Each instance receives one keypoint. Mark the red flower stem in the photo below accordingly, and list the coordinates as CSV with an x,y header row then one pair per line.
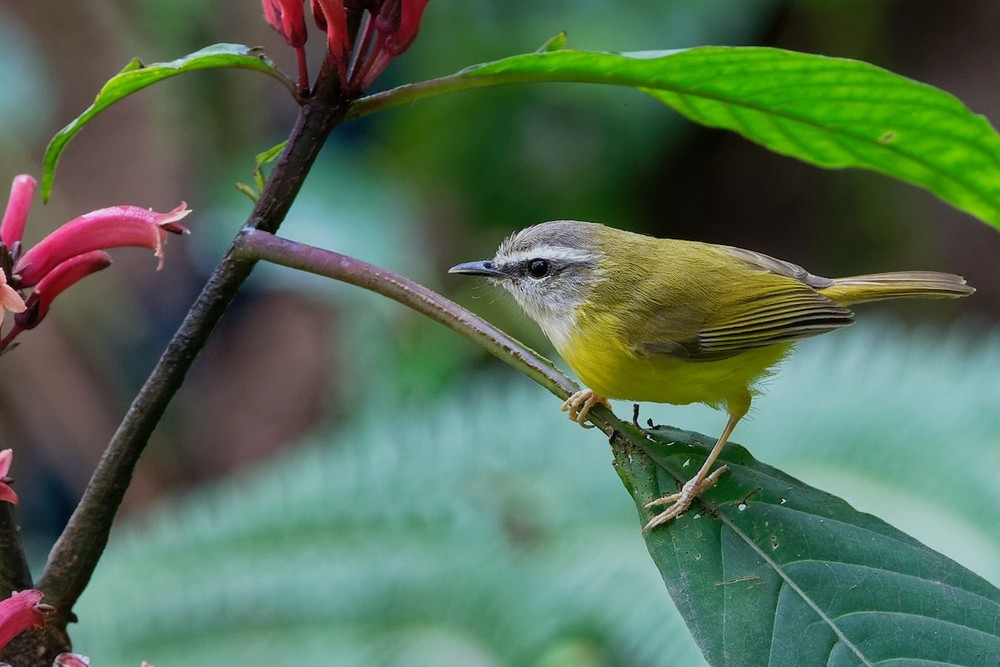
x,y
78,549
300,54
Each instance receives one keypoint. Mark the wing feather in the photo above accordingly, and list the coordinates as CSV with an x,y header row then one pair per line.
x,y
776,302
778,266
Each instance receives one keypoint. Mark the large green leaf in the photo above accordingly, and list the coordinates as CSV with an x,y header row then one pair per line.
x,y
831,112
768,570
136,76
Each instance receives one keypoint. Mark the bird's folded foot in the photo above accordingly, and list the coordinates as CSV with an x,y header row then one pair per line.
x,y
681,500
579,404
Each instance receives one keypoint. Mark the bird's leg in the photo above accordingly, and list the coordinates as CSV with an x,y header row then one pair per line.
x,y
579,404
694,486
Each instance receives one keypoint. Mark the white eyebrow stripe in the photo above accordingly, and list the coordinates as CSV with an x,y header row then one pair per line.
x,y
550,252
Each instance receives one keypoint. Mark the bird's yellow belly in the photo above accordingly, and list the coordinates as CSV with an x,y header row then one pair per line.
x,y
613,370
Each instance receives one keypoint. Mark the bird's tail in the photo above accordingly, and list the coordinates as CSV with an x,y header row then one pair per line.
x,y
899,284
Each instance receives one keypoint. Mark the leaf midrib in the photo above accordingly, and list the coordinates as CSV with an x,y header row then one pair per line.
x,y
777,568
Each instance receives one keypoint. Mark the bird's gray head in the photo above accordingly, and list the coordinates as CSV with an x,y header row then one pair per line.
x,y
548,268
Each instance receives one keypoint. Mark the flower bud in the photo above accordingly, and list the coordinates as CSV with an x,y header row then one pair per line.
x,y
16,214
400,39
397,23
288,18
331,17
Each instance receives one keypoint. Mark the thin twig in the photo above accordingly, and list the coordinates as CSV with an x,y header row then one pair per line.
x,y
254,244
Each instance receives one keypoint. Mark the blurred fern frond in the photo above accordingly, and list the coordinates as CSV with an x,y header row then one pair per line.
x,y
486,530
480,532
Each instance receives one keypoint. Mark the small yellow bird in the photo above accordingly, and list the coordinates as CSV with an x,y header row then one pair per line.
x,y
667,321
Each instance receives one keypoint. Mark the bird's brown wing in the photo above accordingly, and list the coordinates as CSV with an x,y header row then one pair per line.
x,y
739,310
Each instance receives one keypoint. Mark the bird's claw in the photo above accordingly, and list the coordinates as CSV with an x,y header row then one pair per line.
x,y
681,500
579,404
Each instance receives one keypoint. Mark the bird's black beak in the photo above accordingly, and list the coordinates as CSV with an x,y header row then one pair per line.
x,y
481,268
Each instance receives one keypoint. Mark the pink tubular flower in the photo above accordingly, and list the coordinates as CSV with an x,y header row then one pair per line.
x,y
55,283
288,18
105,228
16,214
6,493
69,254
20,612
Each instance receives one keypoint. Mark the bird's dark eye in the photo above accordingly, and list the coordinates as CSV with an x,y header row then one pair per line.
x,y
538,268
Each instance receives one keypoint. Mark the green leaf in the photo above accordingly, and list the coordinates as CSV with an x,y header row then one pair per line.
x,y
265,158
135,76
554,43
830,112
260,161
777,572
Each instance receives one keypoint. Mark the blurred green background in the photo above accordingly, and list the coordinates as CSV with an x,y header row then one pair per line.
x,y
324,429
